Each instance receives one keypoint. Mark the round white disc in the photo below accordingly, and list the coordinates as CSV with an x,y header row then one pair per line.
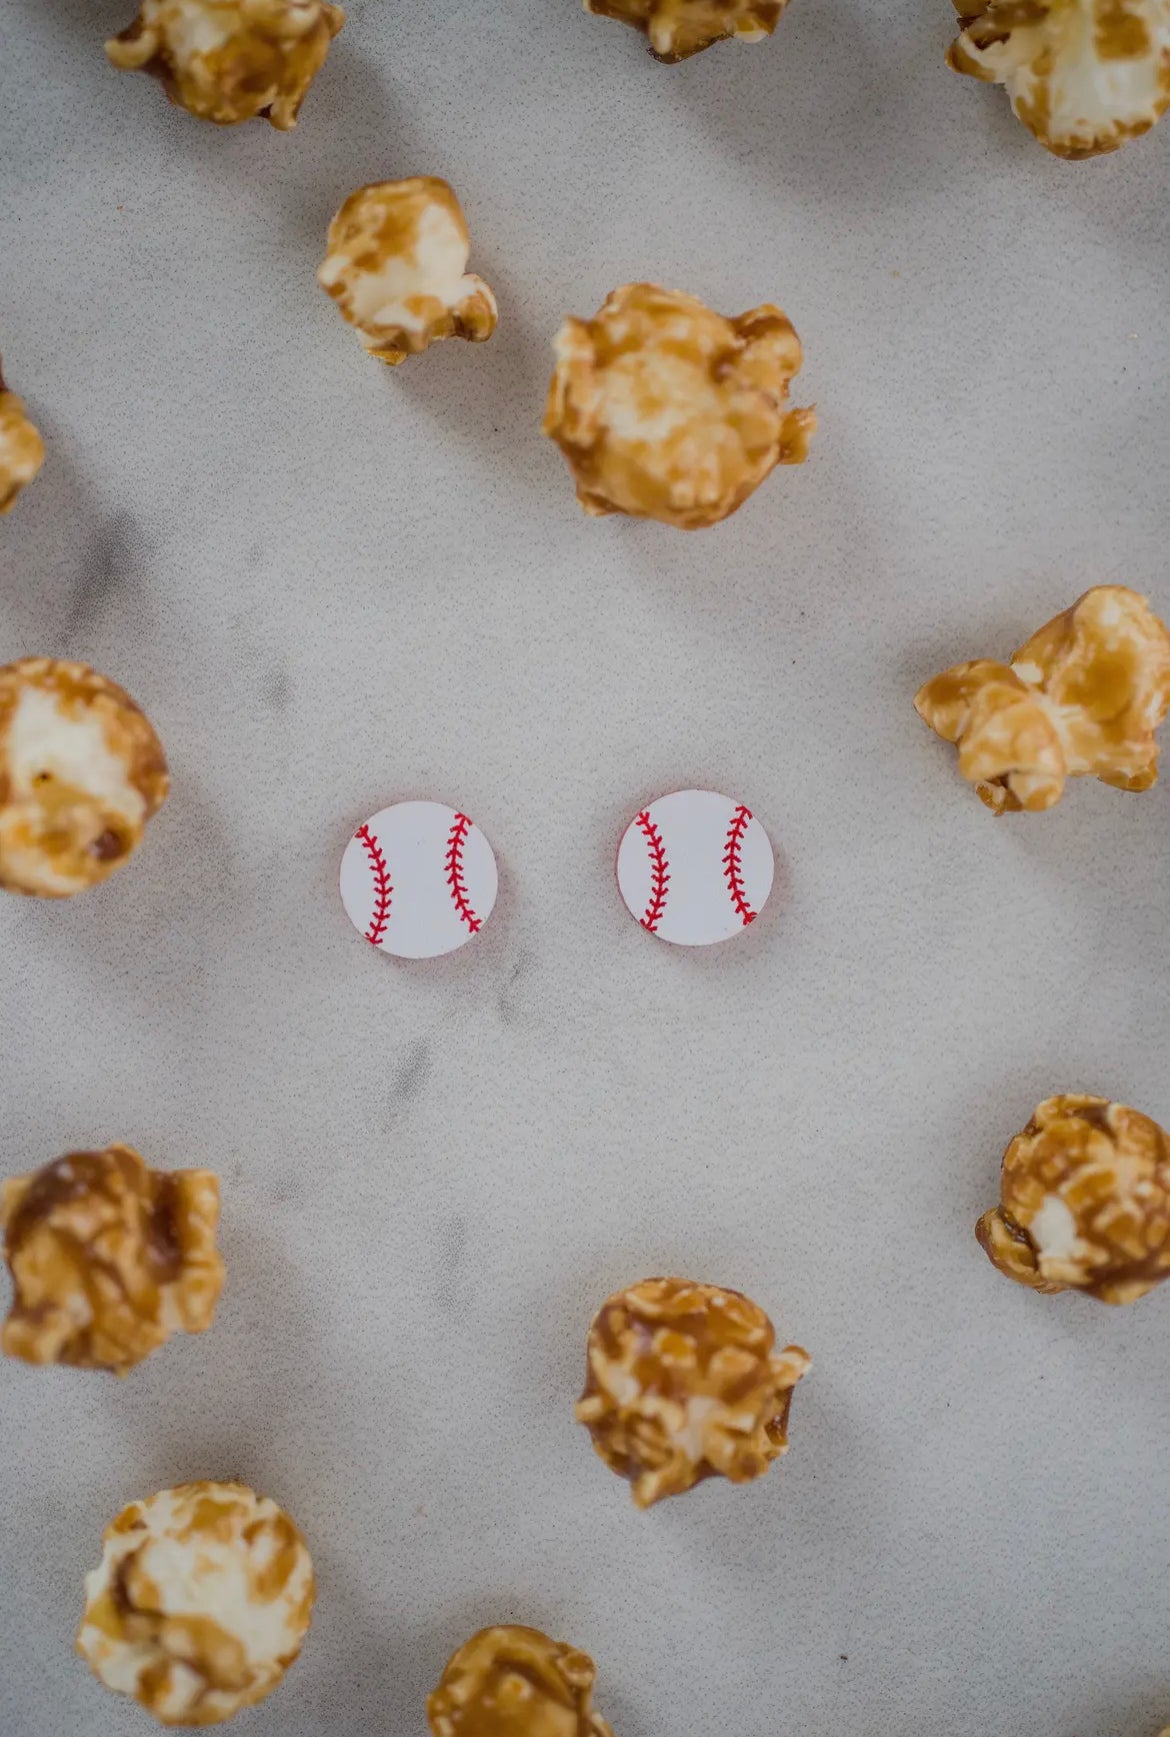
x,y
695,867
418,879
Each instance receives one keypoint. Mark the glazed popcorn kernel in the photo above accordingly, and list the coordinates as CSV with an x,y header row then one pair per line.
x,y
515,1682
231,60
1084,1202
1083,75
396,265
676,29
1082,698
22,451
201,1602
108,1259
683,1383
668,411
81,773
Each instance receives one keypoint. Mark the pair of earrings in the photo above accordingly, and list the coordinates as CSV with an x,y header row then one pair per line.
x,y
419,879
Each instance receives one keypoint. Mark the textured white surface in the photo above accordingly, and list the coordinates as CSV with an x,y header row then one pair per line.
x,y
326,581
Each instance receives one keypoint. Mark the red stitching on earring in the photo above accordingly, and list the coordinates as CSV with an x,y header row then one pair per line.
x,y
460,897
383,891
733,864
659,872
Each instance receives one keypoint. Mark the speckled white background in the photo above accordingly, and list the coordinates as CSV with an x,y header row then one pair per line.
x,y
332,586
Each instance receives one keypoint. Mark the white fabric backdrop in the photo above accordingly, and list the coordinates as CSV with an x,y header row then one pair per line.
x,y
333,587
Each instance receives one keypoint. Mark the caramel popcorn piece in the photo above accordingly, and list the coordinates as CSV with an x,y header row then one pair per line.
x,y
683,1383
515,1682
81,773
22,451
676,29
1084,1202
1083,697
231,60
668,411
108,1259
201,1602
396,266
1083,75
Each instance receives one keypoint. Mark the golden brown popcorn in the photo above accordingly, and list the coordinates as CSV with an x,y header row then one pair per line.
x,y
22,451
1082,698
396,266
1083,75
108,1259
515,1682
201,1602
81,773
231,60
668,411
683,1383
676,29
1084,1202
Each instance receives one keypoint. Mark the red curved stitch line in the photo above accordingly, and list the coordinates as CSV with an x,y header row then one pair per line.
x,y
460,897
733,865
659,872
383,891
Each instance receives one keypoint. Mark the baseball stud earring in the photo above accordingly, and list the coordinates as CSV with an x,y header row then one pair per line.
x,y
418,880
695,867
